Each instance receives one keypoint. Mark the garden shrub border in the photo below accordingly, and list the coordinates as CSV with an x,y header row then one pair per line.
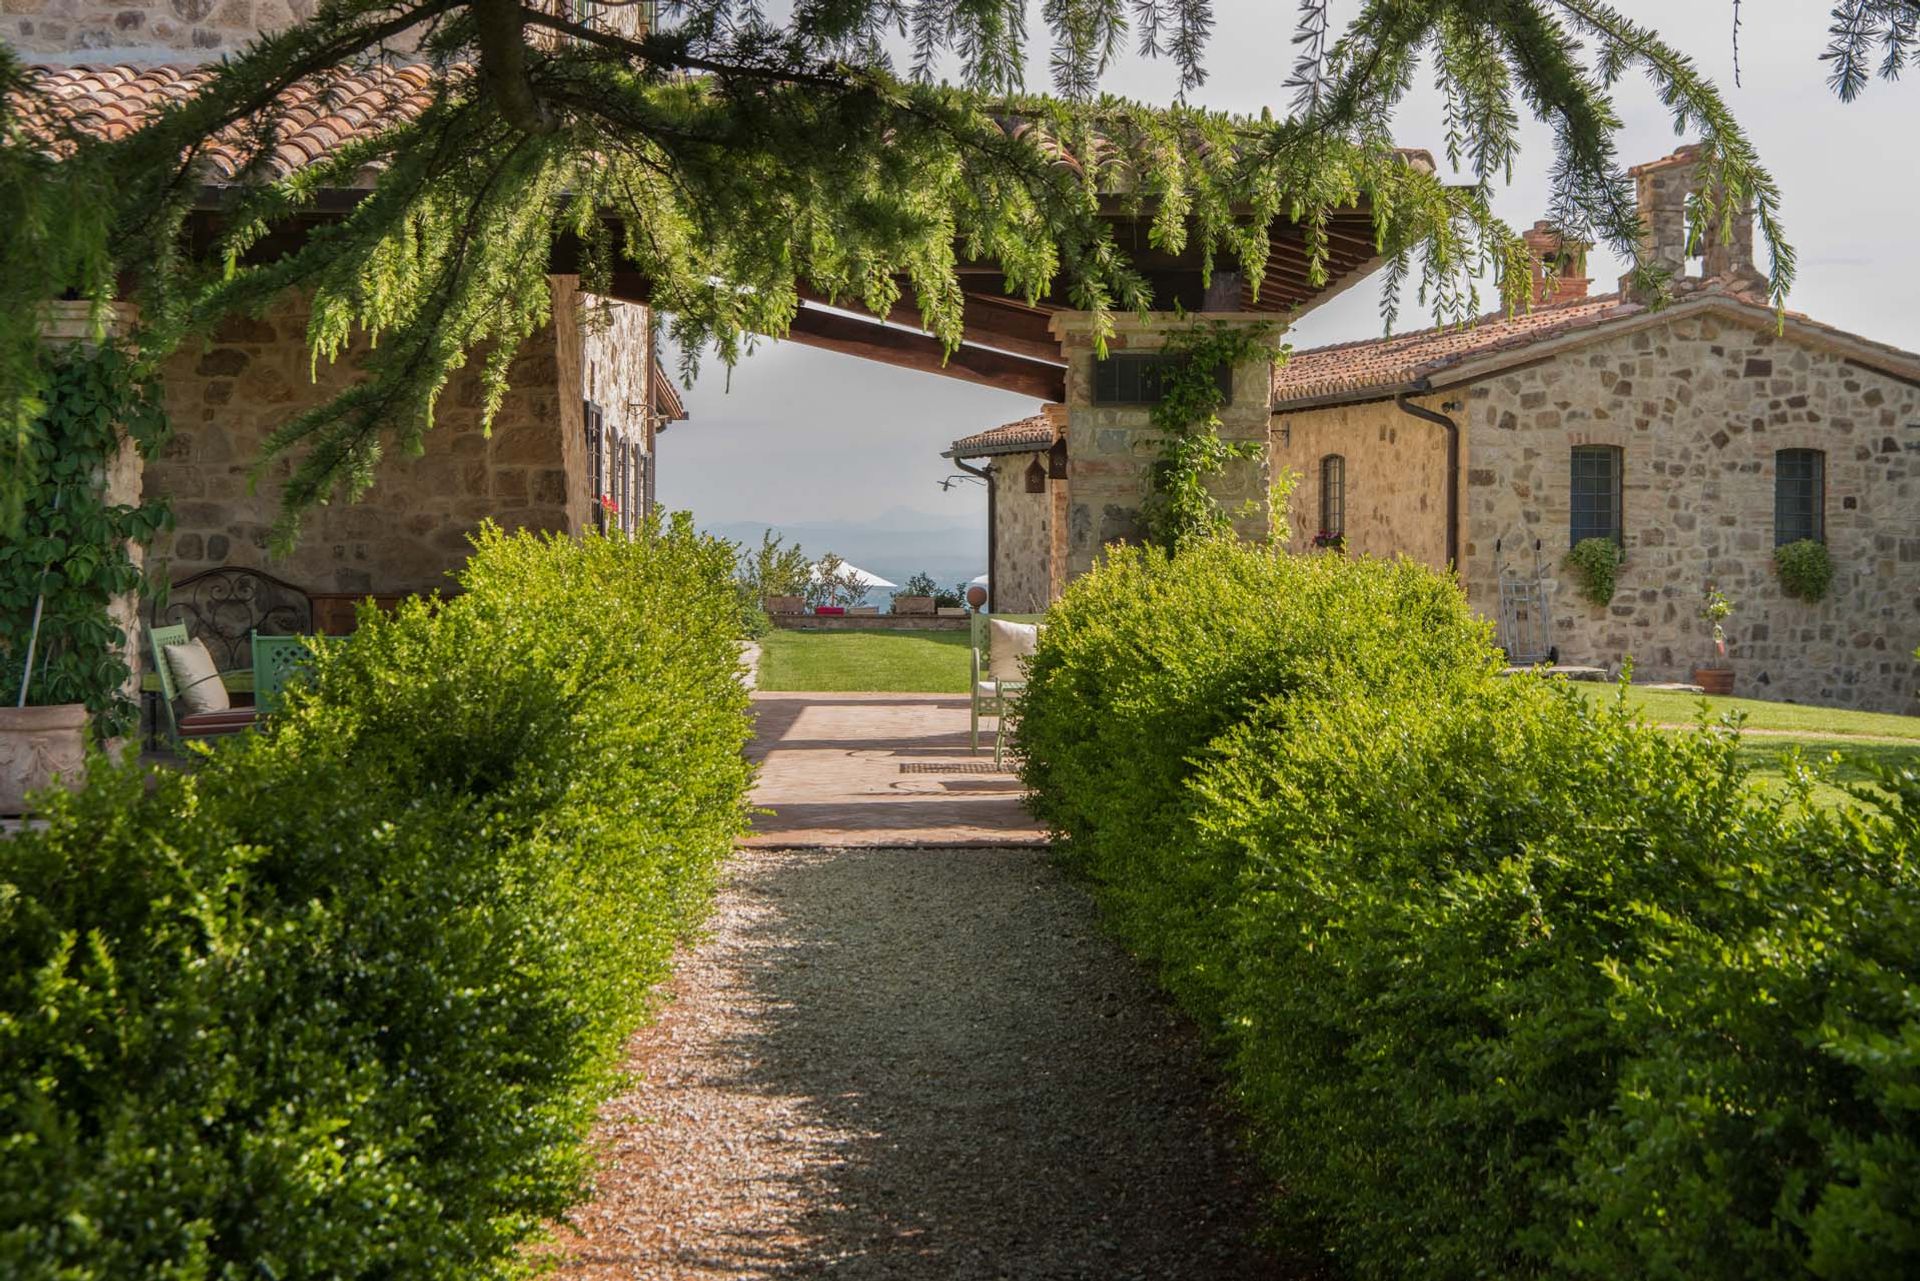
x,y
1611,1011
343,1000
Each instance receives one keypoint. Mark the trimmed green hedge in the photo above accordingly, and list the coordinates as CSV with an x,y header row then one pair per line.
x,y
1148,658
1509,985
342,1001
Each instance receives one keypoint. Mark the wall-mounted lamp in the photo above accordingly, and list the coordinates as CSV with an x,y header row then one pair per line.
x,y
1057,460
1036,478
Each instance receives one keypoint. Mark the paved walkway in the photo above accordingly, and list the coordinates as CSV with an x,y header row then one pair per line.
x,y
880,770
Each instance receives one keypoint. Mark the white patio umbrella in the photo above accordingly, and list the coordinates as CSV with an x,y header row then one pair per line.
x,y
865,578
979,580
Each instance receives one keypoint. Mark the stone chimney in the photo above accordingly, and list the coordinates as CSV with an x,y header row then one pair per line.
x,y
1559,265
1662,188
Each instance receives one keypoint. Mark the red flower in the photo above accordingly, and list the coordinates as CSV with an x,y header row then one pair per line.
x,y
606,502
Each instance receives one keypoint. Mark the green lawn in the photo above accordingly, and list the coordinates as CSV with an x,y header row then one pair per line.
x,y
1668,708
892,662
1861,738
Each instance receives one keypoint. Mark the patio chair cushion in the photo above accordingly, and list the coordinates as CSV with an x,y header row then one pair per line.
x,y
987,690
1007,644
231,721
196,679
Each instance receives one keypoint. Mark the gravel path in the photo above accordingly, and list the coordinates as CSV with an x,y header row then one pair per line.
x,y
914,1064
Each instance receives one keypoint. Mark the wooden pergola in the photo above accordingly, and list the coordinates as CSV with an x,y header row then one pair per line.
x,y
1008,342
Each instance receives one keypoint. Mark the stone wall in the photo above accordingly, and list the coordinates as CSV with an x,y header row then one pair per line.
x,y
188,31
411,528
1023,537
1112,447
1699,404
184,31
1396,476
605,351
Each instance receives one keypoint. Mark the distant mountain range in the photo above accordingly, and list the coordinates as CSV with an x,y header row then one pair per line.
x,y
895,544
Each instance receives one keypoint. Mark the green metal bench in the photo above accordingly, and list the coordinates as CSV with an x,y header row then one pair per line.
x,y
277,662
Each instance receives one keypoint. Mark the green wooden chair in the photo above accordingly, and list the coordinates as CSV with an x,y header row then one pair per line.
x,y
193,724
278,661
993,696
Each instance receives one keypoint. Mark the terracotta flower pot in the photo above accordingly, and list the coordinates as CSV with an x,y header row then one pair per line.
x,y
1714,680
38,744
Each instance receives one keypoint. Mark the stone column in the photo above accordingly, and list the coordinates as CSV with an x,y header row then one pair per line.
x,y
123,478
1112,446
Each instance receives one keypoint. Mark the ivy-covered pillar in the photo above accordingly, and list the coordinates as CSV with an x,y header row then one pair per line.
x,y
1112,439
121,476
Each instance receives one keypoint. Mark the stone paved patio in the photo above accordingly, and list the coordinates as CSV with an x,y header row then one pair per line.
x,y
831,770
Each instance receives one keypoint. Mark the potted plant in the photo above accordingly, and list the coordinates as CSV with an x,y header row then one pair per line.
x,y
1715,676
948,604
774,574
917,596
1324,541
64,660
833,586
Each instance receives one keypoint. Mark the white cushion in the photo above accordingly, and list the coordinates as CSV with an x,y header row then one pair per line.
x,y
196,680
1007,644
996,689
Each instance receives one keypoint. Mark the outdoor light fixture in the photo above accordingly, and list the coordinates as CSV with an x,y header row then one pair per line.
x,y
1036,478
1057,460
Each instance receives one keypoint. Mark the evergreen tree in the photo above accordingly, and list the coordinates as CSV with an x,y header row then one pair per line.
x,y
730,159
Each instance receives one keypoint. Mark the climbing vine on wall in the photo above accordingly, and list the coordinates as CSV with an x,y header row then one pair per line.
x,y
75,546
1181,507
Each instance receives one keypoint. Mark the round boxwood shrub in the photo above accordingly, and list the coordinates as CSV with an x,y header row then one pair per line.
x,y
1595,563
1805,568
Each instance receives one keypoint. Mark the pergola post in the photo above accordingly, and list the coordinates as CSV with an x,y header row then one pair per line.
x,y
70,323
1113,444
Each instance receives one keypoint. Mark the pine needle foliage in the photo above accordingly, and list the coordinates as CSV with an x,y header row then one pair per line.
x,y
730,159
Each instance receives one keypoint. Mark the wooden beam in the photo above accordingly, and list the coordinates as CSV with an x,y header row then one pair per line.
x,y
871,340
1020,332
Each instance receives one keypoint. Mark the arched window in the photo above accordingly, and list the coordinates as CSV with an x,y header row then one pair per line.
x,y
1595,493
1799,496
1333,496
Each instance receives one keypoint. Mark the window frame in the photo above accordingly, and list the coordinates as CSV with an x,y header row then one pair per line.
x,y
1579,529
1132,378
1815,499
1333,495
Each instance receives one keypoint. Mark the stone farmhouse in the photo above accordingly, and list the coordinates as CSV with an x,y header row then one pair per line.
x,y
573,447
1699,436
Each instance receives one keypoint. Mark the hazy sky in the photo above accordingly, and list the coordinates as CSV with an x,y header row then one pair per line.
x,y
808,435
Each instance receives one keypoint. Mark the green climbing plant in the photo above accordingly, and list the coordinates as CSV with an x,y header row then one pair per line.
x,y
1805,568
1182,507
74,551
1595,562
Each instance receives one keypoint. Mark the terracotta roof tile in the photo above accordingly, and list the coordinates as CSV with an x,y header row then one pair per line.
x,y
312,118
1027,435
1389,363
1382,366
